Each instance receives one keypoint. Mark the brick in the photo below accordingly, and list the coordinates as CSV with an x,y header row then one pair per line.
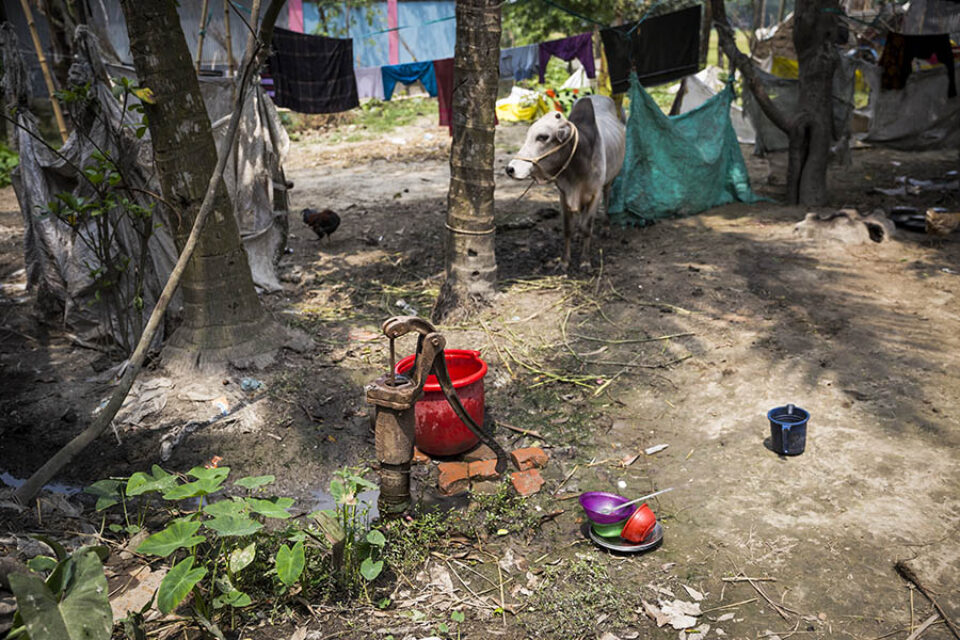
x,y
527,482
529,458
485,487
479,452
484,470
454,478
419,457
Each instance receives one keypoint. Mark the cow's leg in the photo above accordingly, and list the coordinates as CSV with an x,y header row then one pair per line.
x,y
567,224
586,229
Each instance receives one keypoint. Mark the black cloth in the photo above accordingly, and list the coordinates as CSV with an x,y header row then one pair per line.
x,y
662,49
312,74
900,50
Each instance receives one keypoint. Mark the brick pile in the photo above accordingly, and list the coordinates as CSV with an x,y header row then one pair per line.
x,y
477,469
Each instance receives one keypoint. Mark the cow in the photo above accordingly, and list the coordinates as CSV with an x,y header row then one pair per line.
x,y
582,154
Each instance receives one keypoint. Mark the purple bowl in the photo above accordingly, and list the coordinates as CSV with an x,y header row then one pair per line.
x,y
593,501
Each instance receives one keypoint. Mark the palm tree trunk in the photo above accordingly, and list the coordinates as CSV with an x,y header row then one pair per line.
x,y
223,318
471,273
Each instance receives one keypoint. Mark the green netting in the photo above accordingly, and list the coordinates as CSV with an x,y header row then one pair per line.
x,y
680,165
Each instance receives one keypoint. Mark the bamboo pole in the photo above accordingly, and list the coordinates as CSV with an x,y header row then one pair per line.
x,y
226,27
203,32
45,68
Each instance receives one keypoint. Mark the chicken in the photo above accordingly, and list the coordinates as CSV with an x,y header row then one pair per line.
x,y
940,222
323,223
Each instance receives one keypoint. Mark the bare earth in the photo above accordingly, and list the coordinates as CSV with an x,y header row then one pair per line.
x,y
866,337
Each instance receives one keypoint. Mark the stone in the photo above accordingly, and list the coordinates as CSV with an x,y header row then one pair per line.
x,y
527,482
454,478
485,487
529,458
483,470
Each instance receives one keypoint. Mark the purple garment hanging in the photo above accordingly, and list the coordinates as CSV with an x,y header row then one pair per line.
x,y
579,47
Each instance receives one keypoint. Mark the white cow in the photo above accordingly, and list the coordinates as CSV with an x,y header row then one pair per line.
x,y
582,154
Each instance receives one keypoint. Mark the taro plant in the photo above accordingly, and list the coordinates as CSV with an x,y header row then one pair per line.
x,y
65,598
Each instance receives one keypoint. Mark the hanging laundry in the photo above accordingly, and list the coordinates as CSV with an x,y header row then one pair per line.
x,y
579,47
900,51
520,62
444,72
660,49
312,74
408,73
369,82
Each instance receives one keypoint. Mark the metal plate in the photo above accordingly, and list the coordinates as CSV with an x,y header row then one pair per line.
x,y
624,546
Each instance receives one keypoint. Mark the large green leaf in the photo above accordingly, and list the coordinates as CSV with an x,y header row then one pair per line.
x,y
208,481
234,599
253,482
233,525
177,584
179,533
107,493
225,508
82,611
290,563
241,558
158,480
376,538
276,508
370,569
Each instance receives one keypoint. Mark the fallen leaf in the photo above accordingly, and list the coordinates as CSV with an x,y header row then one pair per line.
x,y
696,595
725,617
657,448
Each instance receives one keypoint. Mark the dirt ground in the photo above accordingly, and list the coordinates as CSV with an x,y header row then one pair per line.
x,y
866,337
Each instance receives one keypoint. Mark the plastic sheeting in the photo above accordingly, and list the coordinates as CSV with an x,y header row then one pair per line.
x,y
918,117
679,165
784,93
701,87
57,258
522,105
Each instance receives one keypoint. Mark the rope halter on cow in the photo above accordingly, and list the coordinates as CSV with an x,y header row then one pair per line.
x,y
536,161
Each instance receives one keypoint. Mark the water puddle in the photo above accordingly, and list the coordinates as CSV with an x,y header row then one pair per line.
x,y
9,480
323,500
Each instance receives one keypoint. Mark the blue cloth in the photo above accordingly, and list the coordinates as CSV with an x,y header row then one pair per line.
x,y
408,73
678,165
520,62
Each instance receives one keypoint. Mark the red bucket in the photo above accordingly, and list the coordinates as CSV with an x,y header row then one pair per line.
x,y
439,431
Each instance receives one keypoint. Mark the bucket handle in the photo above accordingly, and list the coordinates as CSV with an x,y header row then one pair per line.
x,y
784,434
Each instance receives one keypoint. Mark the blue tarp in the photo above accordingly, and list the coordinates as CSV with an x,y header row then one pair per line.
x,y
433,41
678,165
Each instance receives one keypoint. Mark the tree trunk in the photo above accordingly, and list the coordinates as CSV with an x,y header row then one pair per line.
x,y
471,273
705,27
223,318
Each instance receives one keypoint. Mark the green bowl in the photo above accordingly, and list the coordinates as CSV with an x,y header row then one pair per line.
x,y
609,530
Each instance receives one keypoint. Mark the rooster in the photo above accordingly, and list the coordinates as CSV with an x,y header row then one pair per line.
x,y
323,223
940,222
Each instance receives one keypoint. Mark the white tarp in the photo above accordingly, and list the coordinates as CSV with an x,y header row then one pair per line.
x,y
702,86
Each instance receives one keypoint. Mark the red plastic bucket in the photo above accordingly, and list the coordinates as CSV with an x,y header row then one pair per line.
x,y
439,431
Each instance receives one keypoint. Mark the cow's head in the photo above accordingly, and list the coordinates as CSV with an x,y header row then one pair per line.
x,y
544,151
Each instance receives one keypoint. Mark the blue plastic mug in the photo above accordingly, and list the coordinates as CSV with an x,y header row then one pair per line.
x,y
788,429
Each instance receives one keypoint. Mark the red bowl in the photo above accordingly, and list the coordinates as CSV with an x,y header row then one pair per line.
x,y
640,525
439,431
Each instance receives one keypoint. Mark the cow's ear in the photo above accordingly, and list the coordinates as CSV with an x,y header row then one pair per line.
x,y
564,132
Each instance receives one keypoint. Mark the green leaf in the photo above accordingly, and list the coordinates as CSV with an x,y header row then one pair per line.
x,y
443,628
337,489
81,612
177,584
233,525
225,508
58,549
179,533
241,558
331,527
252,482
376,538
290,563
213,474
107,492
208,481
370,569
276,508
159,480
457,616
233,599
42,563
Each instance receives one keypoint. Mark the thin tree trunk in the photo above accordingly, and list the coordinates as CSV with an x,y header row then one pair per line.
x,y
471,273
223,318
705,26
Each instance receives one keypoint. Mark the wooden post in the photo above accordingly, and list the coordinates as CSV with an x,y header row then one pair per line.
x,y
45,68
781,11
203,31
226,27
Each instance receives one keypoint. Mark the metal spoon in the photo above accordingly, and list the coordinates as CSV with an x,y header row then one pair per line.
x,y
608,510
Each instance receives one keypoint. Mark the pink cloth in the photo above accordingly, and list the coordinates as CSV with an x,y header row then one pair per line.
x,y
295,15
394,36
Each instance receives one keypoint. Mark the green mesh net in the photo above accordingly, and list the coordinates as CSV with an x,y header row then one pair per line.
x,y
678,165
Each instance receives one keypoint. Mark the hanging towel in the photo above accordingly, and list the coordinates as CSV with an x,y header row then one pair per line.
x,y
408,73
312,74
661,49
900,51
444,72
579,47
520,62
369,82
678,165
